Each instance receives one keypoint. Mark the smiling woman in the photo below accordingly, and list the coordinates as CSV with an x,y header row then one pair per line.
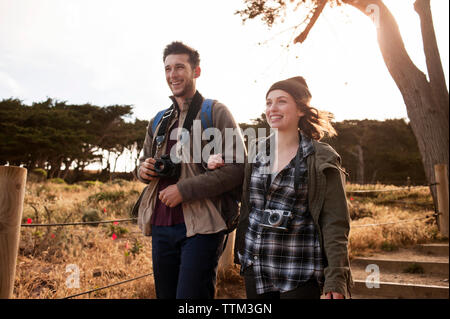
x,y
292,235
288,108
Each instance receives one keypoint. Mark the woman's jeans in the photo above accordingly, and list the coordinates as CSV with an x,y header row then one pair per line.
x,y
185,267
308,290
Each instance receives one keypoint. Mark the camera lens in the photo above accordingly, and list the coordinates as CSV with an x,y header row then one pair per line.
x,y
166,168
274,218
159,166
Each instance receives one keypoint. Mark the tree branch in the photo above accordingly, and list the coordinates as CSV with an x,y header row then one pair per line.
x,y
432,56
315,15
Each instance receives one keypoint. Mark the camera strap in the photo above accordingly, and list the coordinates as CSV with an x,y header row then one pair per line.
x,y
296,180
162,131
194,108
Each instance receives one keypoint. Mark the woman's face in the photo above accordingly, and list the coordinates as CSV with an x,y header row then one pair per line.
x,y
282,111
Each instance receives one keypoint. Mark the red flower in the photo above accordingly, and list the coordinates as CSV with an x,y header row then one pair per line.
x,y
351,198
114,236
52,235
115,223
104,210
29,221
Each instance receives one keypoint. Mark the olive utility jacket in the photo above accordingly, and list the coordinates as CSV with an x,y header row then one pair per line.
x,y
328,207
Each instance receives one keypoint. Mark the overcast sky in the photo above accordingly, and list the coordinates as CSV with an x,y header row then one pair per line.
x,y
110,52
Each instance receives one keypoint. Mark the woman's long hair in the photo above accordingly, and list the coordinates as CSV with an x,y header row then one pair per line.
x,y
314,123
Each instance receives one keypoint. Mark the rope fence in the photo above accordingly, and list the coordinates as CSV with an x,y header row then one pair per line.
x,y
81,223
385,190
108,286
131,219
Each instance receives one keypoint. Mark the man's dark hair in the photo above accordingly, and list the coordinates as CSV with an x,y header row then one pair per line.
x,y
181,48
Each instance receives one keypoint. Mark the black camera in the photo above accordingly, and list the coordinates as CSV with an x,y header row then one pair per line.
x,y
166,168
276,218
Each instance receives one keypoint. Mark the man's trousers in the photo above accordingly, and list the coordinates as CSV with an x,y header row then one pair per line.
x,y
185,267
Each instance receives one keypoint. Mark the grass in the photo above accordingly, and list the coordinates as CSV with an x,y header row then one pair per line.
x,y
403,213
110,253
45,253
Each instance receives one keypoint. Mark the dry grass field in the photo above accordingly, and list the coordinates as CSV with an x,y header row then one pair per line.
x,y
108,253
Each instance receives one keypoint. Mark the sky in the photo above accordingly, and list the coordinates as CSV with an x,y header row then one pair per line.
x,y
108,52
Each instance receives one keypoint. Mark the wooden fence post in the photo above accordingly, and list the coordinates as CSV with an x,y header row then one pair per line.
x,y
440,172
12,193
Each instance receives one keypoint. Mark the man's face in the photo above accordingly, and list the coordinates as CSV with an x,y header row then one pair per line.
x,y
180,76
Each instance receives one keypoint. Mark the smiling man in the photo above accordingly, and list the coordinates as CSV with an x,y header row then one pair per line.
x,y
186,208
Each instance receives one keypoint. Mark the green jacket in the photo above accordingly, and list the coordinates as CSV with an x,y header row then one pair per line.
x,y
328,206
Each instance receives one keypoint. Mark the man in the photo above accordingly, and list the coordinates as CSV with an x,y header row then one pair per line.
x,y
187,213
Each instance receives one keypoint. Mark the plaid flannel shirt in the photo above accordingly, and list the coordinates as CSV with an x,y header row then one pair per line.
x,y
282,260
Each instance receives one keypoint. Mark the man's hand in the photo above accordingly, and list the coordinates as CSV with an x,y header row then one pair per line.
x,y
146,170
171,196
334,295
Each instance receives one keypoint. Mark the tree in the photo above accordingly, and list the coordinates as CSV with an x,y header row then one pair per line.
x,y
50,133
426,100
136,139
378,151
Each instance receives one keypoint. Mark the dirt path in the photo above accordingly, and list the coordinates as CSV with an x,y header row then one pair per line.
x,y
232,287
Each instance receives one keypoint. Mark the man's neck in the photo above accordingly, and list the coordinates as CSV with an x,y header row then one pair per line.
x,y
184,101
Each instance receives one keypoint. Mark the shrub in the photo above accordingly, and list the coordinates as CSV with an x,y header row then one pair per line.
x,y
42,189
72,188
136,249
88,184
91,215
118,230
357,210
57,181
40,172
134,192
37,175
119,181
113,196
388,246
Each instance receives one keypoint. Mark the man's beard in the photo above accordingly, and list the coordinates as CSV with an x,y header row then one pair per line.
x,y
187,88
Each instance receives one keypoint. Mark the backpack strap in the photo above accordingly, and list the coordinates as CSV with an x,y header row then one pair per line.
x,y
206,114
158,118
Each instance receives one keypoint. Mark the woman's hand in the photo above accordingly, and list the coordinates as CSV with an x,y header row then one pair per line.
x,y
215,161
333,295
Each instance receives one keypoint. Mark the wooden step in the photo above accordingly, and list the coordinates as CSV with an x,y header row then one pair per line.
x,y
434,249
404,266
398,291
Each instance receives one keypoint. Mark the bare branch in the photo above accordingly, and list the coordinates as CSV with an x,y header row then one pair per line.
x,y
314,15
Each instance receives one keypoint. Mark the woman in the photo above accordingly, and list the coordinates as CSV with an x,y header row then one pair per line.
x,y
293,229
